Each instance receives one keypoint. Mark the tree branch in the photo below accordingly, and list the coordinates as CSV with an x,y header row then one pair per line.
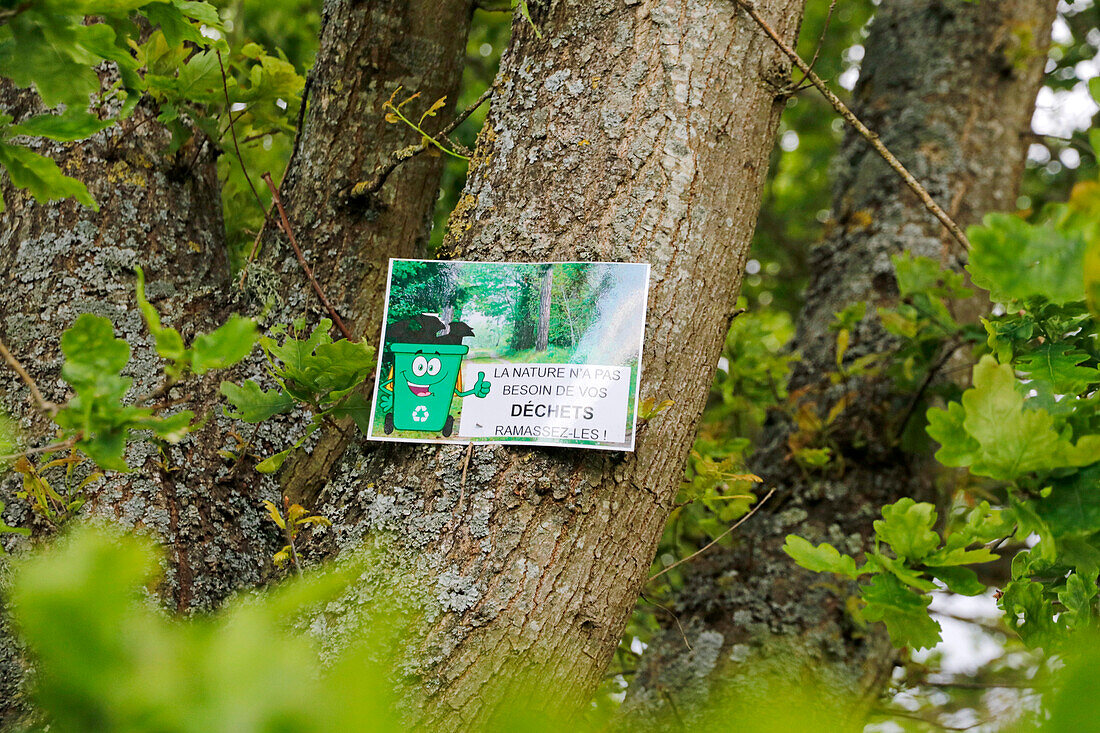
x,y
365,188
302,260
862,129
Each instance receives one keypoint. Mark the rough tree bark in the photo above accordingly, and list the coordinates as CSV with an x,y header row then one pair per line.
x,y
62,259
950,86
636,131
165,214
368,50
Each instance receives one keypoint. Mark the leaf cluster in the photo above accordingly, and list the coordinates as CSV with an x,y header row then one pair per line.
x,y
314,372
1026,431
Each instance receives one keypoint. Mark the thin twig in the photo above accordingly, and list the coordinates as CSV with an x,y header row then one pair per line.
x,y
233,132
9,13
51,448
675,618
861,128
983,685
895,713
44,405
949,350
302,260
462,485
293,154
159,391
820,41
364,188
713,542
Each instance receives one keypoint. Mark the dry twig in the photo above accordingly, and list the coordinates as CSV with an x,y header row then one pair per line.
x,y
861,128
44,405
302,260
713,542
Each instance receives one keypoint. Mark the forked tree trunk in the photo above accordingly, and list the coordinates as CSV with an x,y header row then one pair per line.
x,y
634,131
950,86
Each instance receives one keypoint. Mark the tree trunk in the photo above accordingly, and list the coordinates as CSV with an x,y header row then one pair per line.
x,y
165,215
368,50
933,70
62,259
542,340
635,131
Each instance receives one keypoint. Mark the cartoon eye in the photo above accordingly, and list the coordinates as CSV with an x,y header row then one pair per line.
x,y
420,365
433,367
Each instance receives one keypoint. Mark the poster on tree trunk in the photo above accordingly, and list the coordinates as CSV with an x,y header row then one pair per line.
x,y
531,353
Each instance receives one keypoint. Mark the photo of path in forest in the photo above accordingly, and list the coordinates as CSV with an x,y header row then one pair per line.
x,y
469,316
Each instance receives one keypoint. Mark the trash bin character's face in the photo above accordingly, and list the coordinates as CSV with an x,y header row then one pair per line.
x,y
428,370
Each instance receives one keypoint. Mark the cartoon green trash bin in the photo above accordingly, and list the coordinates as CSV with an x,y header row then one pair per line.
x,y
422,384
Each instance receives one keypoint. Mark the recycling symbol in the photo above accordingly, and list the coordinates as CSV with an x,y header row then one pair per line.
x,y
420,414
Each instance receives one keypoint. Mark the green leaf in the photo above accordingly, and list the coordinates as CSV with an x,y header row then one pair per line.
x,y
202,12
957,448
1077,596
963,581
168,341
1013,441
275,462
91,350
901,570
1016,260
338,367
904,612
41,176
1059,365
254,405
1029,613
175,26
526,13
200,79
821,559
949,556
67,127
925,275
107,448
358,409
172,428
907,527
294,353
224,347
49,52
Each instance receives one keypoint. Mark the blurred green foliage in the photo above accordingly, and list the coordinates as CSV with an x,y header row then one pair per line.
x,y
108,660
